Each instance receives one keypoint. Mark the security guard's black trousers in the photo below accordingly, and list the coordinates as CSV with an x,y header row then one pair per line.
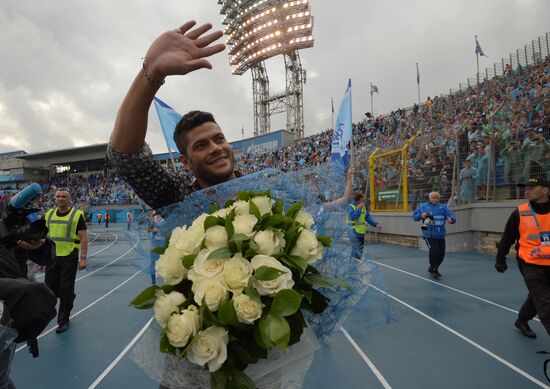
x,y
60,278
537,279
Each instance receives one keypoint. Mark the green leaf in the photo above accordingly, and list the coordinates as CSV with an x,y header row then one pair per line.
x,y
166,347
222,253
295,262
213,208
188,261
278,207
294,208
274,331
254,210
239,238
159,250
244,196
297,324
227,314
291,236
317,304
285,303
325,240
229,203
167,289
145,299
251,292
211,221
229,224
265,273
325,281
230,378
208,318
275,221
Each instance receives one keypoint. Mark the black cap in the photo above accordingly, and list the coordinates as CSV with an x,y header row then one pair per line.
x,y
535,182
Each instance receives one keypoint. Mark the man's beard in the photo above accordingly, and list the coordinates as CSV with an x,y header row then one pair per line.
x,y
210,175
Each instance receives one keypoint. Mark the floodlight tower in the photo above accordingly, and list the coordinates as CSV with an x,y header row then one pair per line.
x,y
261,29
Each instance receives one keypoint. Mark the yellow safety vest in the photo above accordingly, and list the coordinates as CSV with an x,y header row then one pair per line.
x,y
62,230
359,224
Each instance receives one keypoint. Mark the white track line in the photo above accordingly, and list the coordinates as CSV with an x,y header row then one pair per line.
x,y
450,288
120,356
464,338
371,365
91,255
113,261
87,306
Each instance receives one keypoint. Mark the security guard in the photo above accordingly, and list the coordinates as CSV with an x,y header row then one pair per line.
x,y
68,230
357,219
529,226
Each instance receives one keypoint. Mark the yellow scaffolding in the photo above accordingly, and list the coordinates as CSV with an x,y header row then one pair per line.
x,y
381,201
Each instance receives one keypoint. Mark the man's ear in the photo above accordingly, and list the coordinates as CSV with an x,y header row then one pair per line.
x,y
186,162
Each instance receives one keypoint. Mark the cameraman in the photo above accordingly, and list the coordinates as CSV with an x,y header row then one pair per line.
x,y
433,216
27,308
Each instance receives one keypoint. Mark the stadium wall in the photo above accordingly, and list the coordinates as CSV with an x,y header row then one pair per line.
x,y
478,228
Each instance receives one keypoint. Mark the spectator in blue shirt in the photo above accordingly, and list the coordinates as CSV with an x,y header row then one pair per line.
x,y
434,216
357,220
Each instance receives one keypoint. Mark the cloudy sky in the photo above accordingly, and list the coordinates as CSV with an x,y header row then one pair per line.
x,y
65,65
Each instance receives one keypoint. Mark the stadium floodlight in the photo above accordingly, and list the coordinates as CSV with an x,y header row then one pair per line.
x,y
261,29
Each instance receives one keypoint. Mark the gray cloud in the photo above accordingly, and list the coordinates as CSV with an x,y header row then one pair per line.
x,y
66,65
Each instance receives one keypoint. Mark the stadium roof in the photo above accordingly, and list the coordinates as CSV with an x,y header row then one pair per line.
x,y
66,156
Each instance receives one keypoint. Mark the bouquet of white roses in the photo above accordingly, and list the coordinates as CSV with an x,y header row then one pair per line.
x,y
237,281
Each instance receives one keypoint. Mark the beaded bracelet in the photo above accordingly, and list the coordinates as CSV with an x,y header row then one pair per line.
x,y
151,81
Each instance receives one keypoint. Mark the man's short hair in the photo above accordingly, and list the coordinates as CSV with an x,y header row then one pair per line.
x,y
358,196
188,122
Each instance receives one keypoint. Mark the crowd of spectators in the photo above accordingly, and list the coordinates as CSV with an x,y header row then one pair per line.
x,y
92,189
502,126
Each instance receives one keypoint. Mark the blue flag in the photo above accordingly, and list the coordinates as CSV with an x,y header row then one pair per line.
x,y
478,49
373,89
342,133
168,119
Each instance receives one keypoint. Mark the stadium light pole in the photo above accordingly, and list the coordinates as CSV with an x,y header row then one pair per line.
x,y
258,30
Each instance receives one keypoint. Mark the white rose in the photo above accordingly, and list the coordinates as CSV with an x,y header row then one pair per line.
x,y
188,241
211,290
237,271
241,207
165,305
216,238
269,288
222,212
170,267
244,224
209,346
208,268
304,219
270,242
183,327
308,247
248,310
198,223
263,203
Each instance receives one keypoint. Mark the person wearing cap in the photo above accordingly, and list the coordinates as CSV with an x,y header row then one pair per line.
x,y
535,154
529,227
467,181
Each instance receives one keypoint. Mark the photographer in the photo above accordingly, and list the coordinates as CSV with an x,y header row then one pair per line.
x,y
434,216
26,309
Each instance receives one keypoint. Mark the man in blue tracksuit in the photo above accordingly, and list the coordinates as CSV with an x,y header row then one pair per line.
x,y
434,216
357,220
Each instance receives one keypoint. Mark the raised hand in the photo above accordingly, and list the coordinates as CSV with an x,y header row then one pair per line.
x,y
182,51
